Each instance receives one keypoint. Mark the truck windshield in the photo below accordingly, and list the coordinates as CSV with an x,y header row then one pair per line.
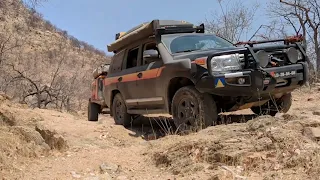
x,y
177,43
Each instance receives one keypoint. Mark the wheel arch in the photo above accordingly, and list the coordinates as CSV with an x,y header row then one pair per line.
x,y
174,85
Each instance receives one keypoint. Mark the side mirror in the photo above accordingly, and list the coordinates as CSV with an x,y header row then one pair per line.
x,y
150,54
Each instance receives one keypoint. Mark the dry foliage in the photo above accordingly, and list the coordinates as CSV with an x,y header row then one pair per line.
x,y
41,65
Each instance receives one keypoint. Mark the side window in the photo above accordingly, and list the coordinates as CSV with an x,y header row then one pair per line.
x,y
150,46
116,64
132,58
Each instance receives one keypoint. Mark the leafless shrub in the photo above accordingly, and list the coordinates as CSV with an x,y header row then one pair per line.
x,y
75,42
34,3
8,42
34,19
49,26
44,72
64,34
16,5
2,5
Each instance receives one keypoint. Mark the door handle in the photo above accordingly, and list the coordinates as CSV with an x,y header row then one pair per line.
x,y
120,79
139,75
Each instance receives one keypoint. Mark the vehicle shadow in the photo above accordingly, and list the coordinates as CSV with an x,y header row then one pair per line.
x,y
151,128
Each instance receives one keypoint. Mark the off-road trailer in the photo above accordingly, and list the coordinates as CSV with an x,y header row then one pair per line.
x,y
96,103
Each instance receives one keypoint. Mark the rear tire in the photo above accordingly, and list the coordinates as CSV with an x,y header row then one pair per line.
x,y
93,111
283,105
119,111
192,110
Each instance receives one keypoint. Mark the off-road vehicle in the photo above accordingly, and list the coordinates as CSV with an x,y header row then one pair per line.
x,y
169,66
96,103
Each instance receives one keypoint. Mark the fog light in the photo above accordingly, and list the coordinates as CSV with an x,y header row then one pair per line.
x,y
241,80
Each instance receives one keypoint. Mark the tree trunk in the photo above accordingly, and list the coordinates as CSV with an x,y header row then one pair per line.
x,y
68,104
38,100
318,59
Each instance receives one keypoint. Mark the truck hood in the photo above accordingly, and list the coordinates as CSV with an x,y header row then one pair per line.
x,y
197,54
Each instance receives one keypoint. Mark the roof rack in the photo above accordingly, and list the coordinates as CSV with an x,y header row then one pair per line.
x,y
155,27
287,40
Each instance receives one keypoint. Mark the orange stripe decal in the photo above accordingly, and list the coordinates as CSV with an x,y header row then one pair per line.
x,y
149,74
160,71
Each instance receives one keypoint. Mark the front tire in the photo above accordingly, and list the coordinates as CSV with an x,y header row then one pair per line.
x,y
119,111
93,111
192,110
271,108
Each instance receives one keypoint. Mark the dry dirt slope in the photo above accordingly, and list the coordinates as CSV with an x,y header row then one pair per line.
x,y
44,144
37,57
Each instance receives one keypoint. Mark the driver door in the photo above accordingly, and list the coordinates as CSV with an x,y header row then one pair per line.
x,y
148,84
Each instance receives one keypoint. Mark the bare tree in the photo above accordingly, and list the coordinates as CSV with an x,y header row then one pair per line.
x,y
8,42
34,79
232,21
303,16
42,66
35,3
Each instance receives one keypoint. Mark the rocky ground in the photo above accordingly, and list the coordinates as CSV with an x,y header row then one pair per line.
x,y
46,144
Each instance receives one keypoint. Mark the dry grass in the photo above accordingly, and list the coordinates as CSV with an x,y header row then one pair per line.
x,y
264,147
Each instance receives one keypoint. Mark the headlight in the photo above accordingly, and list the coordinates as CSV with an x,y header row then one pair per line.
x,y
225,63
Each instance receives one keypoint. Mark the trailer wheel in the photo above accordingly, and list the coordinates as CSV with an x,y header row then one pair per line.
x,y
93,111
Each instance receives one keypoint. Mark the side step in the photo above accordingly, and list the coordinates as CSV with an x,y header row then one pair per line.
x,y
147,111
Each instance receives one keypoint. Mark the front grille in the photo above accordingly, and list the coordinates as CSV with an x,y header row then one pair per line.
x,y
280,56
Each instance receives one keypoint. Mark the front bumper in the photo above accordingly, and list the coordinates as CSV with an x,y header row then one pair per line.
x,y
258,83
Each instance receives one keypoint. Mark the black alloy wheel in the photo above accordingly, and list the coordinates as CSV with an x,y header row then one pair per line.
x,y
192,110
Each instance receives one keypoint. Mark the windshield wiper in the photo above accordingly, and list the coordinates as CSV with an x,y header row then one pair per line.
x,y
189,50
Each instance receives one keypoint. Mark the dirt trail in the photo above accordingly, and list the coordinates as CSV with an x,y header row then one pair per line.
x,y
91,145
46,144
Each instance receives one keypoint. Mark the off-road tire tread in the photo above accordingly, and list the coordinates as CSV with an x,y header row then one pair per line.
x,y
93,111
208,109
127,117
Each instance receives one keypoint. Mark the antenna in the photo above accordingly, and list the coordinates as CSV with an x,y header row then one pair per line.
x,y
256,32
